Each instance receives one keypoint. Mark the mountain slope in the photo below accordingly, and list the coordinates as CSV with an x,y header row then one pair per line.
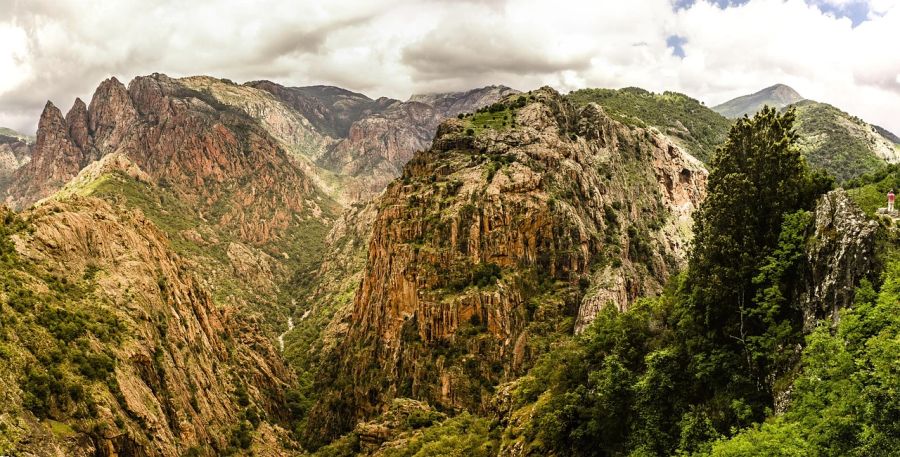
x,y
112,347
502,236
844,145
777,96
686,121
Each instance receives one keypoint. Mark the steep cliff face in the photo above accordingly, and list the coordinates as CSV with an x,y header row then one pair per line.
x,y
841,253
518,222
112,343
55,159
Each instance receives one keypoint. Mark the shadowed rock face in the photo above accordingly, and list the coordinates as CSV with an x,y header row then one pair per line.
x,y
495,238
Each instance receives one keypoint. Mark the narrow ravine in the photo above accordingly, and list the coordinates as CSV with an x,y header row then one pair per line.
x,y
290,326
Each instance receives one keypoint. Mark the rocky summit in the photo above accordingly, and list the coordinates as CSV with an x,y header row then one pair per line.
x,y
777,96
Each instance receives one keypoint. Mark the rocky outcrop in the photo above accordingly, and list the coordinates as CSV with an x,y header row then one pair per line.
x,y
186,372
55,159
499,236
840,254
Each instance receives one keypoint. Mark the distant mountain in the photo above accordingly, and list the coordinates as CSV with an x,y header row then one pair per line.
x,y
887,134
8,132
689,123
373,139
777,96
15,151
844,145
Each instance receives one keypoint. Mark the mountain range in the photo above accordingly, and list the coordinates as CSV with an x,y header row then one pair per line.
x,y
193,266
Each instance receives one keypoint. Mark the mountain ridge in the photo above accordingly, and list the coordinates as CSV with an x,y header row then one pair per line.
x,y
777,96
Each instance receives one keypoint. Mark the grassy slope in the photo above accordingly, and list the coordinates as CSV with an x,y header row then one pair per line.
x,y
697,128
870,191
835,141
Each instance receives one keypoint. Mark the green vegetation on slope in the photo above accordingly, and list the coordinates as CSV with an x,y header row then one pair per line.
x,y
835,141
709,356
55,335
870,190
697,128
300,248
498,116
846,399
462,435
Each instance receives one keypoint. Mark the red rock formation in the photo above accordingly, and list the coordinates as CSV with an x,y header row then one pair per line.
x,y
55,158
216,158
491,242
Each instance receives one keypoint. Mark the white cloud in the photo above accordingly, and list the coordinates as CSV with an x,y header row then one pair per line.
x,y
14,67
62,49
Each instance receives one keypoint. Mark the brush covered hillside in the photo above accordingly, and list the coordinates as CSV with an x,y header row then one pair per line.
x,y
845,145
832,140
777,96
111,345
689,123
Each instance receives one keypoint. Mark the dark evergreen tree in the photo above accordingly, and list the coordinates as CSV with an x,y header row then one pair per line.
x,y
758,177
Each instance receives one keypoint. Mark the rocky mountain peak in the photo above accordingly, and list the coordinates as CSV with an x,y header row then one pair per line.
x,y
78,123
55,157
777,96
111,112
503,232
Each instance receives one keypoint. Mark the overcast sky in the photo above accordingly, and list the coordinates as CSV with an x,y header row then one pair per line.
x,y
845,52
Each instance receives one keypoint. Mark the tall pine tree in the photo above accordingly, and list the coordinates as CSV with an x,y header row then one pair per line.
x,y
758,177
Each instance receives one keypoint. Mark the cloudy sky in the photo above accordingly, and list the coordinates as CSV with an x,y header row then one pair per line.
x,y
845,52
